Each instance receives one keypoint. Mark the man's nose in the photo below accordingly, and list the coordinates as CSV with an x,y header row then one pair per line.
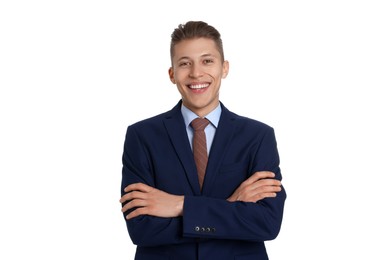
x,y
196,71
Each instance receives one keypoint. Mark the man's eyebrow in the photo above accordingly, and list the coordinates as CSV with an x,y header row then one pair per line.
x,y
184,58
208,55
202,56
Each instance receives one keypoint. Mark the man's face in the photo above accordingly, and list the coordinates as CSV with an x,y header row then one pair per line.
x,y
197,71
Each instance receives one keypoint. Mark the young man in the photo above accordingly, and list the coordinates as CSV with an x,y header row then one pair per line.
x,y
232,206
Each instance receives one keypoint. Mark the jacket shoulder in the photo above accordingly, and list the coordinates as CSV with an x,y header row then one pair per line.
x,y
244,121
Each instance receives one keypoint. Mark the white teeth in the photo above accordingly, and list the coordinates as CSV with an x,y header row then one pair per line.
x,y
199,86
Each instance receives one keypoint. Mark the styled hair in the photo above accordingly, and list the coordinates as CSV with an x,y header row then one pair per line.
x,y
194,30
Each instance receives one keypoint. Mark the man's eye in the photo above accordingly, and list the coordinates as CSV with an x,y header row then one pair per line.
x,y
182,64
208,61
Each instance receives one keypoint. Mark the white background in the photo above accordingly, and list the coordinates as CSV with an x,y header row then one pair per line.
x,y
75,74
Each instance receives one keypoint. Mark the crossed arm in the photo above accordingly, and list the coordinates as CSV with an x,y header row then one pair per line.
x,y
147,200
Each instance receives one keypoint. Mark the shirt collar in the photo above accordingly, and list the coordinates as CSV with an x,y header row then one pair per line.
x,y
213,116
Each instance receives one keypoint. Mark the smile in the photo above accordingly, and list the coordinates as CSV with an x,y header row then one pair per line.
x,y
199,86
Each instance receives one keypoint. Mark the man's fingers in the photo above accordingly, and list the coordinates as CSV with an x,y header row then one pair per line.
x,y
132,195
137,212
266,195
138,186
260,184
260,175
256,197
268,182
258,191
134,204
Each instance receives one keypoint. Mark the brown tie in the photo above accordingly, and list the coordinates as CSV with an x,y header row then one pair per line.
x,y
199,147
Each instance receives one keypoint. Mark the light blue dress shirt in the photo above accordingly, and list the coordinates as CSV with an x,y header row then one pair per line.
x,y
210,129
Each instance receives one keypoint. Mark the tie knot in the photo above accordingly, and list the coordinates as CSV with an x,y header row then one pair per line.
x,y
199,123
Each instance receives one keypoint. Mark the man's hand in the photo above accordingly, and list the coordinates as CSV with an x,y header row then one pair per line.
x,y
151,201
257,187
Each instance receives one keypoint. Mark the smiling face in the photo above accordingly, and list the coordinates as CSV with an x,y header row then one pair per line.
x,y
197,70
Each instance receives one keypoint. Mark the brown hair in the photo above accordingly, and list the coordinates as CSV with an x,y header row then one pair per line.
x,y
193,30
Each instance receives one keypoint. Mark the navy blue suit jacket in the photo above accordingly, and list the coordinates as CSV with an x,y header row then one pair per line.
x,y
157,152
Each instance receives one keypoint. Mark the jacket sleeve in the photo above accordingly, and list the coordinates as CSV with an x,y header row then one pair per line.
x,y
146,230
214,218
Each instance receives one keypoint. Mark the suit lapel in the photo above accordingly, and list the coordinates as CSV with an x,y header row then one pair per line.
x,y
175,127
223,135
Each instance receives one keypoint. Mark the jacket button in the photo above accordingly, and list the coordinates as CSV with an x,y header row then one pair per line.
x,y
208,229
197,229
202,229
213,229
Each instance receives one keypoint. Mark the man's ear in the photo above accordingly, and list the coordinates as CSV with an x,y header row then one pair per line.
x,y
171,75
225,69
